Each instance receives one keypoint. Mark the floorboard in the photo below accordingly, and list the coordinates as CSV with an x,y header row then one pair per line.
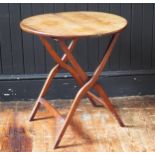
x,y
92,129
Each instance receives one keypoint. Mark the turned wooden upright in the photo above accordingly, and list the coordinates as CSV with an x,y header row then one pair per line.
x,y
73,26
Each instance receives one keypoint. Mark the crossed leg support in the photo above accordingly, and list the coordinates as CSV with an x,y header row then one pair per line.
x,y
82,79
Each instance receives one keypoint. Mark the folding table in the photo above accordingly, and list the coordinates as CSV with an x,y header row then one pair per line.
x,y
72,26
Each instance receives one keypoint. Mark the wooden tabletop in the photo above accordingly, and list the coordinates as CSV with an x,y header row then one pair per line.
x,y
74,24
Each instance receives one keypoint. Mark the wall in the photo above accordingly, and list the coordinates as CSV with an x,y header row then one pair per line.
x,y
24,62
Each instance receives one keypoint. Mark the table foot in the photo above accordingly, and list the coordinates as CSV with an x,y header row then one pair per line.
x,y
48,106
34,111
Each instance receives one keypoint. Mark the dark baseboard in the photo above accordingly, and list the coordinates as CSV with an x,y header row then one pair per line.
x,y
26,87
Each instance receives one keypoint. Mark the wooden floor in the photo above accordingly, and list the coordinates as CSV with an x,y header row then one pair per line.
x,y
93,129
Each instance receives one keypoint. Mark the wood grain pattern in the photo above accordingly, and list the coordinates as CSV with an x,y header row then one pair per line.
x,y
74,24
91,134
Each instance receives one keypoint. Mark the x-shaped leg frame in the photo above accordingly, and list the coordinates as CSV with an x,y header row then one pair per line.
x,y
82,79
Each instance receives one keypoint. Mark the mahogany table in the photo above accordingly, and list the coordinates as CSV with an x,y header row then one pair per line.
x,y
73,26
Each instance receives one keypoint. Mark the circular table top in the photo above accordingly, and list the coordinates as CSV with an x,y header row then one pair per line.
x,y
74,24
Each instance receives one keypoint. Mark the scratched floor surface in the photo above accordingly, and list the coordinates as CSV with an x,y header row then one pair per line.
x,y
92,129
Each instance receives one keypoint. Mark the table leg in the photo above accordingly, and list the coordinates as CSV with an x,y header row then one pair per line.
x,y
63,65
86,87
49,79
84,76
82,79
